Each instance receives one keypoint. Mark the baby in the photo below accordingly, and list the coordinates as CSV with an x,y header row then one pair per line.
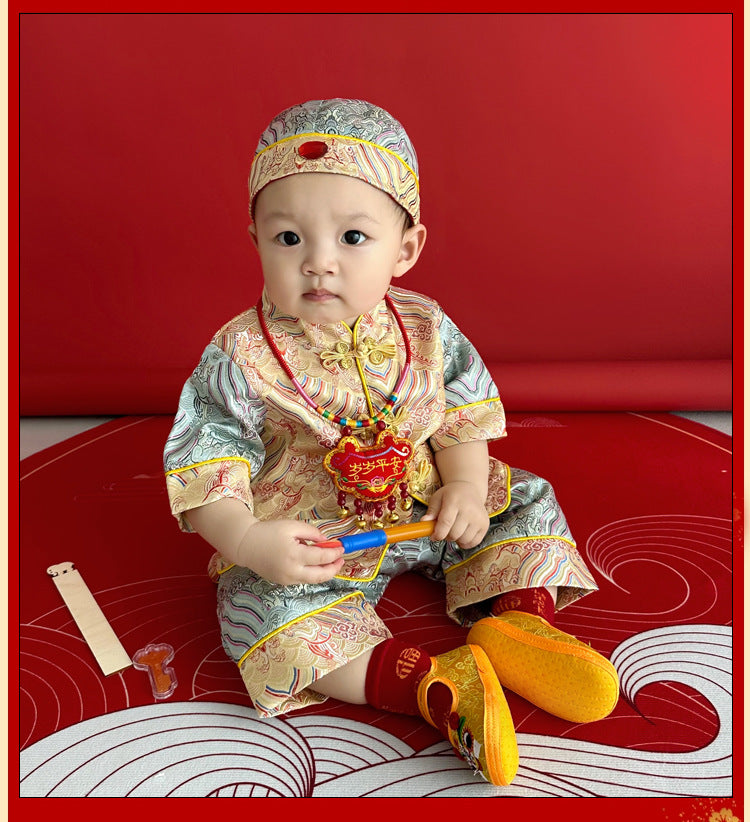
x,y
341,403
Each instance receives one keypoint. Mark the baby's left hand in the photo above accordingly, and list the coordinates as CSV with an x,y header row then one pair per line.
x,y
459,514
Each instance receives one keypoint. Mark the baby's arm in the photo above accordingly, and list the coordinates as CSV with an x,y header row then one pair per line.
x,y
276,550
459,506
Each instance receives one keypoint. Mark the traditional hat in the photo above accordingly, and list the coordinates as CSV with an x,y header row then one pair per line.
x,y
339,136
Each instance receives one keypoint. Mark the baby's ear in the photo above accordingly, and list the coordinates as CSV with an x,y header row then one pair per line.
x,y
411,247
253,232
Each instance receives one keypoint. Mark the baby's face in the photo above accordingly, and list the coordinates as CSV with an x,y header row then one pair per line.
x,y
330,245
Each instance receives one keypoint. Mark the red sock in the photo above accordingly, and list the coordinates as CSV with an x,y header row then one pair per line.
x,y
529,600
393,676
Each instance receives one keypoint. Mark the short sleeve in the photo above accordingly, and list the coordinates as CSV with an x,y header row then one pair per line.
x,y
473,410
214,448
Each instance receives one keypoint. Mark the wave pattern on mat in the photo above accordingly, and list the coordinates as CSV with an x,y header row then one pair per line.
x,y
199,749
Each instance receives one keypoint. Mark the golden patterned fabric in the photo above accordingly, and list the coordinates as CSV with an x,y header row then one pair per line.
x,y
294,439
242,430
519,562
210,481
339,136
280,673
344,155
256,614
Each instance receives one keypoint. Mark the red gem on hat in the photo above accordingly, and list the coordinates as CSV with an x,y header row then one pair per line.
x,y
312,149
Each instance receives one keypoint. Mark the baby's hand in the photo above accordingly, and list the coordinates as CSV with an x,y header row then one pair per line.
x,y
277,550
459,514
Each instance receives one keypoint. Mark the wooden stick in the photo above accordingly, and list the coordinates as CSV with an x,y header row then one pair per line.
x,y
90,619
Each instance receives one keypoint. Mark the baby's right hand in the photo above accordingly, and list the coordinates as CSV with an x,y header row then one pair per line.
x,y
277,550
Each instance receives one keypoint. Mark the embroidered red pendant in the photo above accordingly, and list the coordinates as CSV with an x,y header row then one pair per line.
x,y
369,472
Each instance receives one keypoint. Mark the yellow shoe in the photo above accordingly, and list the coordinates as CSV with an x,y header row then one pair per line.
x,y
551,669
480,727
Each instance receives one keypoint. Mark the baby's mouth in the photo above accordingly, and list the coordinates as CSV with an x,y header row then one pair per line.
x,y
318,295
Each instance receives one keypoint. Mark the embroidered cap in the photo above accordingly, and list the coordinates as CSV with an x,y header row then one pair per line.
x,y
339,136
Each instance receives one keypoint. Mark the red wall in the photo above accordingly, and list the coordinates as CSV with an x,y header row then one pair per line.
x,y
576,178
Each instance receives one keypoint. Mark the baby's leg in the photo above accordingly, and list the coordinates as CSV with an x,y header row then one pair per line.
x,y
347,683
290,651
457,692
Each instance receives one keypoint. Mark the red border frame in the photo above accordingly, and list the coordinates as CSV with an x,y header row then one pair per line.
x,y
659,808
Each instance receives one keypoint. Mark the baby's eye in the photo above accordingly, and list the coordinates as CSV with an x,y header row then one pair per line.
x,y
287,238
353,237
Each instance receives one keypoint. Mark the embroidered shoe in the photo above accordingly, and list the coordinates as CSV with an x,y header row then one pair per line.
x,y
551,669
480,727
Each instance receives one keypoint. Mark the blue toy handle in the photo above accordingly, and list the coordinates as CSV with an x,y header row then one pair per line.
x,y
380,536
359,542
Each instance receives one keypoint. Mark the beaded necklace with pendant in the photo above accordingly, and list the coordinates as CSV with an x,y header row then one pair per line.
x,y
373,474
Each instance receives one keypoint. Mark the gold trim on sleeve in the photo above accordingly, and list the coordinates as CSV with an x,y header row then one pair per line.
x,y
472,404
208,462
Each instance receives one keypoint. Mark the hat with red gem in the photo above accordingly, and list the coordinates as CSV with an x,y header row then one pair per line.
x,y
339,136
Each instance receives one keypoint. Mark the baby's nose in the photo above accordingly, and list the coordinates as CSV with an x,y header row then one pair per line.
x,y
320,259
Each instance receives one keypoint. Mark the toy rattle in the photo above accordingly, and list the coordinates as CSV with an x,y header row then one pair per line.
x,y
380,536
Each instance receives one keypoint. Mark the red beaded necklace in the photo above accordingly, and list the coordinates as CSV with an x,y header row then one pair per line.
x,y
372,474
345,422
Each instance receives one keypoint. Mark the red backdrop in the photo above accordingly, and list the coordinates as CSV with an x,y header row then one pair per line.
x,y
576,177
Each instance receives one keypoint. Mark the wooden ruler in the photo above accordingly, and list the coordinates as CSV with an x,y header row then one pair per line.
x,y
90,619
